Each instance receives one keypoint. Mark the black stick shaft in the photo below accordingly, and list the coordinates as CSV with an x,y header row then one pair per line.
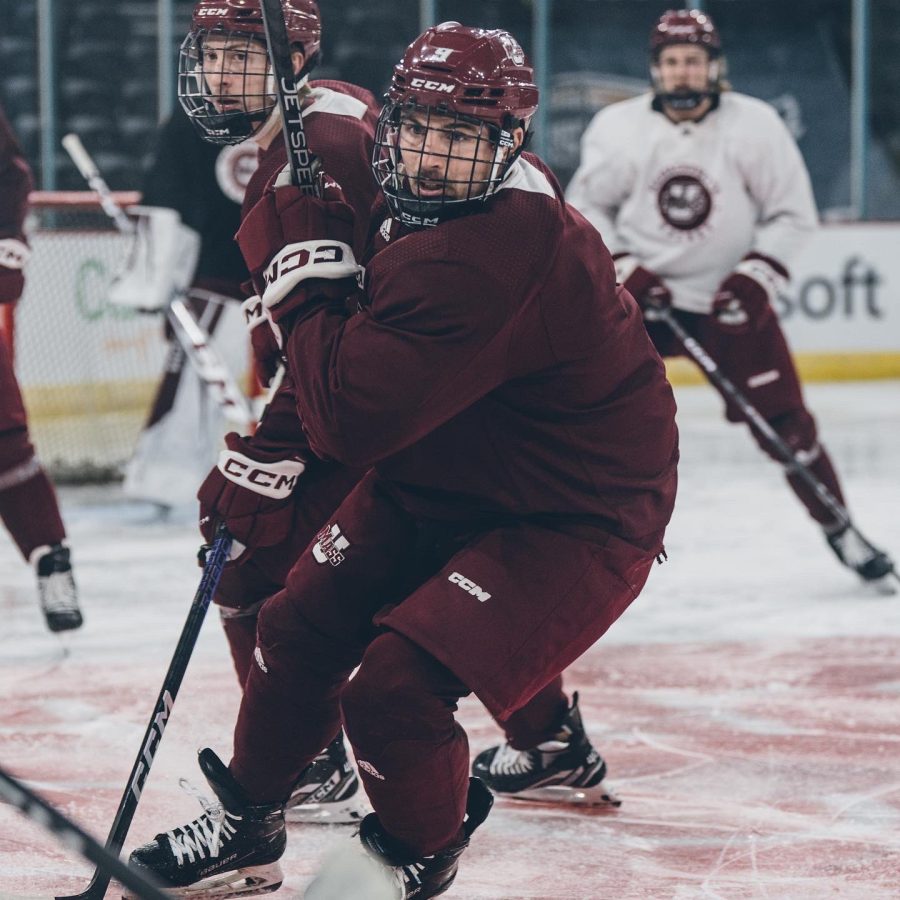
x,y
754,417
300,158
70,834
212,572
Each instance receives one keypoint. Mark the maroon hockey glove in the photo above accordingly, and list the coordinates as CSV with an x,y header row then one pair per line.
x,y
298,250
13,256
263,339
743,301
645,286
250,490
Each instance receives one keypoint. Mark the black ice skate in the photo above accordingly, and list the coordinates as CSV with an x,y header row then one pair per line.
x,y
232,850
565,769
871,564
328,790
388,871
56,587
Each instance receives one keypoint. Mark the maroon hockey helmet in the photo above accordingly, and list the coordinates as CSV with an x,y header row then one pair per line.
x,y
685,26
231,113
471,76
472,71
693,27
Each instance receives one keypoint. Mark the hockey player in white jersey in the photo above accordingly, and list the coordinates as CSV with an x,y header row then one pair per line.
x,y
703,198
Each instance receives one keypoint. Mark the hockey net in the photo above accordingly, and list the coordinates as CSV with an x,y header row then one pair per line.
x,y
87,369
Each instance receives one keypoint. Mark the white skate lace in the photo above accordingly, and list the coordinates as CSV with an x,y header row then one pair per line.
x,y
58,593
407,876
508,761
207,834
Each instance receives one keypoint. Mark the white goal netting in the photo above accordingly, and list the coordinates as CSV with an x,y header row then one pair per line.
x,y
87,369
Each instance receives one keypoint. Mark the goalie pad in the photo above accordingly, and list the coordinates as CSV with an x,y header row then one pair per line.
x,y
160,263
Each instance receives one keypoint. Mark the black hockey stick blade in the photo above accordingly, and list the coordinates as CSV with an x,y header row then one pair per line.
x,y
212,572
300,159
33,806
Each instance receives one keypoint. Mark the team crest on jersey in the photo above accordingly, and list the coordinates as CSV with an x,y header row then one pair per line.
x,y
684,198
234,167
329,544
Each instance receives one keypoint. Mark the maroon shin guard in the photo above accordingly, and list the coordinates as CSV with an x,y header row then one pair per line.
x,y
30,512
413,756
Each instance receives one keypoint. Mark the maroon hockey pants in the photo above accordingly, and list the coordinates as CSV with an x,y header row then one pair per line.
x,y
500,613
244,587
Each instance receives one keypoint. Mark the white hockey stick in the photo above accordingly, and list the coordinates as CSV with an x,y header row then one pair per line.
x,y
91,174
193,339
209,367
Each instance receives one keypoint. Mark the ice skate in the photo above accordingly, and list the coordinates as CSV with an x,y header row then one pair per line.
x,y
565,769
56,587
231,850
328,790
388,872
872,565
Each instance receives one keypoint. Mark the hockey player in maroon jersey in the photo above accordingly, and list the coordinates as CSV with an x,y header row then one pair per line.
x,y
225,89
704,199
519,436
28,504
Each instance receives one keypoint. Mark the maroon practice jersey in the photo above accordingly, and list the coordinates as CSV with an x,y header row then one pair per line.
x,y
340,130
15,183
497,373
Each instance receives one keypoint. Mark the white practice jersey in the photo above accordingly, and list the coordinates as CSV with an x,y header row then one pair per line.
x,y
690,200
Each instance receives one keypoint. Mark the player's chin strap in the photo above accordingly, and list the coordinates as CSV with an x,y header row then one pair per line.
x,y
792,461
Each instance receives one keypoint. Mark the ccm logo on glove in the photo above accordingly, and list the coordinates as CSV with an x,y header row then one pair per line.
x,y
307,259
276,480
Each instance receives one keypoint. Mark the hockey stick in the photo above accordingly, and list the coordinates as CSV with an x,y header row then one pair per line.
x,y
193,339
14,792
209,367
212,572
300,159
751,414
91,174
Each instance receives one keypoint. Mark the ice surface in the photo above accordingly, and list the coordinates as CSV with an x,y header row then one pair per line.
x,y
748,703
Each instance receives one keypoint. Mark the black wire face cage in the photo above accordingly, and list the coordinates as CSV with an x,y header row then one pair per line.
x,y
687,100
434,164
224,84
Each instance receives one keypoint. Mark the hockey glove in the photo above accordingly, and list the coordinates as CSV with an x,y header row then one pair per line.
x,y
265,339
744,299
250,490
13,256
645,286
298,250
